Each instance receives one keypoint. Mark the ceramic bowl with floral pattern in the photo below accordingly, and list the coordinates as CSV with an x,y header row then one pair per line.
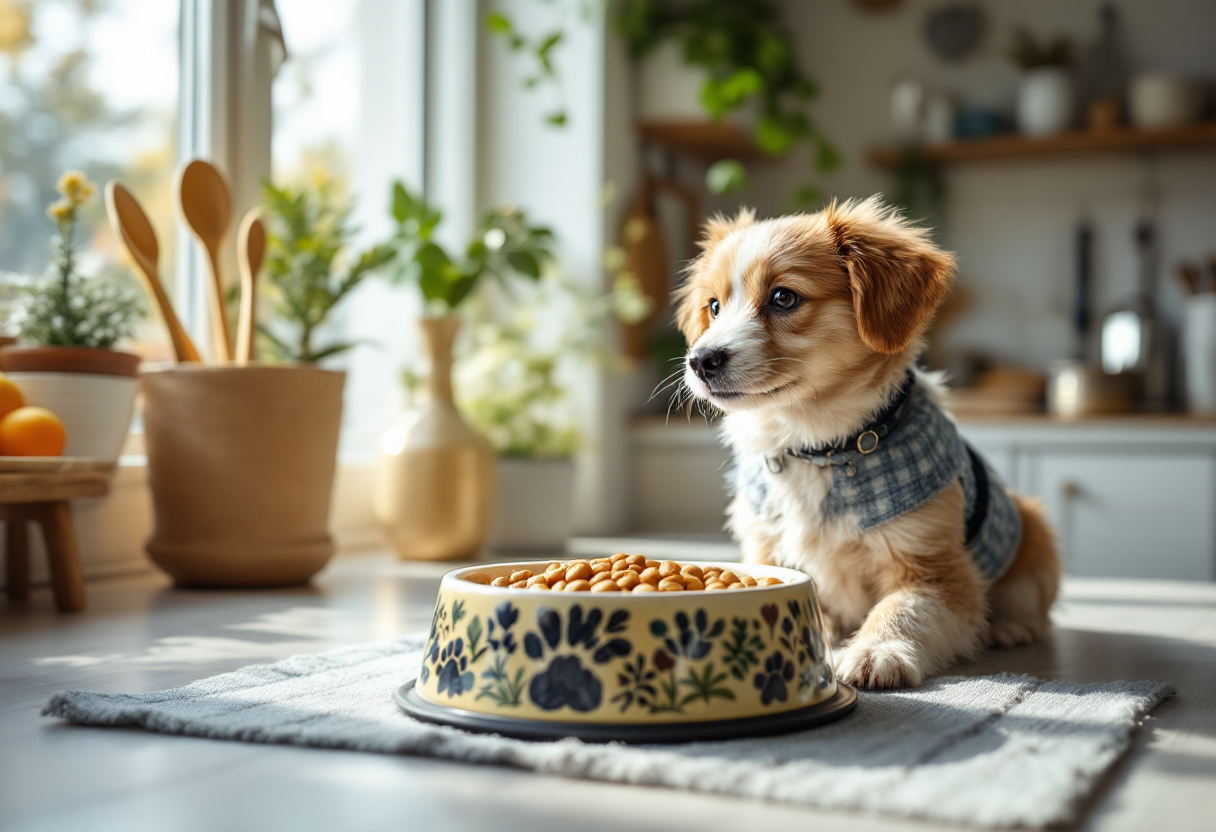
x,y
636,667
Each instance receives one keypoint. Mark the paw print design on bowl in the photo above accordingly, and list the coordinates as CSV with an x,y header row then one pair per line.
x,y
565,682
773,682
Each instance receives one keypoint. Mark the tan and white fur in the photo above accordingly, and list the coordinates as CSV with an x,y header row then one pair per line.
x,y
904,598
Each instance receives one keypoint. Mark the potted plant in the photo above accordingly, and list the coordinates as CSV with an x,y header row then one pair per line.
x,y
241,458
515,385
1046,99
68,325
434,494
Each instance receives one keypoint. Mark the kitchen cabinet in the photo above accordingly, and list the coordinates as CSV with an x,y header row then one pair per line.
x,y
1130,497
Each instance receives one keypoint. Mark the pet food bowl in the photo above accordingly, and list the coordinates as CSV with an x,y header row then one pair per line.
x,y
631,667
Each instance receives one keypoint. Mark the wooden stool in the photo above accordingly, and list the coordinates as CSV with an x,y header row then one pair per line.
x,y
36,490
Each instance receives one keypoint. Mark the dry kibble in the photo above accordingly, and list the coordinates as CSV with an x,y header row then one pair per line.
x,y
628,580
580,570
624,573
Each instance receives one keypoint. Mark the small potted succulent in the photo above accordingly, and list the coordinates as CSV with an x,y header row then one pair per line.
x,y
435,491
1046,95
242,458
68,326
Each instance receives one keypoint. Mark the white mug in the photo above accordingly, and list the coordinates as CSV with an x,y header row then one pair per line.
x,y
1160,100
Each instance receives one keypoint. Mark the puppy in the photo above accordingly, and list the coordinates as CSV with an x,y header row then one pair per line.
x,y
804,332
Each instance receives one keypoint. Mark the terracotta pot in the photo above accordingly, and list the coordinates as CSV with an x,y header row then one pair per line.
x,y
241,465
435,483
91,391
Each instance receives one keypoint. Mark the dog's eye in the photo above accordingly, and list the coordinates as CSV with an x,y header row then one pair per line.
x,y
714,307
784,299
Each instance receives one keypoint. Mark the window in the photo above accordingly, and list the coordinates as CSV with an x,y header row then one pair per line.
x,y
346,103
75,94
348,107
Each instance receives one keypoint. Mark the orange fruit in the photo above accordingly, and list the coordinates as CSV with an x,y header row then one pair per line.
x,y
10,396
32,431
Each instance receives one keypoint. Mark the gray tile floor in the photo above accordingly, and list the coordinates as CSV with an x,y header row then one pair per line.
x,y
140,634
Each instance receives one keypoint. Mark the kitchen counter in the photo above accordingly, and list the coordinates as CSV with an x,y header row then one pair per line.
x,y
139,634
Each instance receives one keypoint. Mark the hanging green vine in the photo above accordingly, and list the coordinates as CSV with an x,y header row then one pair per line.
x,y
748,58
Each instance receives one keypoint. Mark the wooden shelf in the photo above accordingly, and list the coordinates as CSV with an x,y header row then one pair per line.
x,y
703,140
1020,147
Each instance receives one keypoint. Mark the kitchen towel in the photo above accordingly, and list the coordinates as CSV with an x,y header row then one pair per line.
x,y
994,751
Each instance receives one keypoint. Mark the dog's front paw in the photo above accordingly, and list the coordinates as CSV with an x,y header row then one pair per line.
x,y
884,664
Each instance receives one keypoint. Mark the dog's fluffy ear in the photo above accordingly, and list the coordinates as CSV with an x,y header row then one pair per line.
x,y
897,276
691,316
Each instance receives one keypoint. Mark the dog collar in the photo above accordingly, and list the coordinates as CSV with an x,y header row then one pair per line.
x,y
864,442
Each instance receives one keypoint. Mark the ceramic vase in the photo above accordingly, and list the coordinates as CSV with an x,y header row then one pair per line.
x,y
91,391
434,495
1046,101
241,468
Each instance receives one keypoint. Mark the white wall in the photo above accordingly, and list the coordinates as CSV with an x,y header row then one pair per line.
x,y
1011,222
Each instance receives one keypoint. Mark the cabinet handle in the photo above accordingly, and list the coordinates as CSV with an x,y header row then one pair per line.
x,y
1070,490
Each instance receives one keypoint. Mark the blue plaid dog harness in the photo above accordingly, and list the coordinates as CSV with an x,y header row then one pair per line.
x,y
908,454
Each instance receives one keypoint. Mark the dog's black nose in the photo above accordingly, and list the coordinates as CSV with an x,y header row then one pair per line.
x,y
708,363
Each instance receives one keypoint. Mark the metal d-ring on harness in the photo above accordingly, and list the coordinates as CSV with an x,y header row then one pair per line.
x,y
864,443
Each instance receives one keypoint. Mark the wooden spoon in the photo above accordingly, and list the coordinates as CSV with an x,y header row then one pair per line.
x,y
251,248
131,225
206,206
